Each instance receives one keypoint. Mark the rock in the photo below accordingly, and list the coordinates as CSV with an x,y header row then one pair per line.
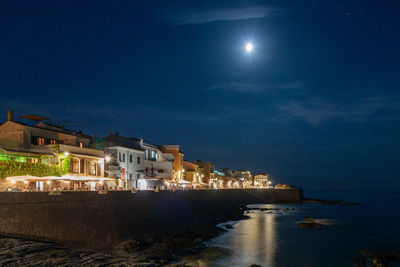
x,y
228,226
131,246
255,265
310,225
309,219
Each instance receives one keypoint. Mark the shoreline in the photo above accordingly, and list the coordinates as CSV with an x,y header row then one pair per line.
x,y
150,250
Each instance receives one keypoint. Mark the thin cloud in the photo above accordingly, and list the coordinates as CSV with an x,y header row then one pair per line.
x,y
253,88
228,14
316,111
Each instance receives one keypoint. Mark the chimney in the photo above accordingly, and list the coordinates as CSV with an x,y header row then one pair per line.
x,y
10,115
141,142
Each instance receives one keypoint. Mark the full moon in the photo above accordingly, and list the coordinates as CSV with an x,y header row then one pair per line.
x,y
249,47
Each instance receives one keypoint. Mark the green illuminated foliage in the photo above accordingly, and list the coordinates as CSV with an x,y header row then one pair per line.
x,y
13,168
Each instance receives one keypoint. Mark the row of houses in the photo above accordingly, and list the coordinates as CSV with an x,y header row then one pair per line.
x,y
45,156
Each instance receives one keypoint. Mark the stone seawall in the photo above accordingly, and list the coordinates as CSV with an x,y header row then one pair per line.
x,y
100,222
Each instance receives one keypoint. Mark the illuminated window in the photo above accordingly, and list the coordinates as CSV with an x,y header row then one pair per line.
x,y
75,165
92,168
40,141
33,160
53,142
80,144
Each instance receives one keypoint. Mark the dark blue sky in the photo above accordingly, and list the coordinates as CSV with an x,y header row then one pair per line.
x,y
317,104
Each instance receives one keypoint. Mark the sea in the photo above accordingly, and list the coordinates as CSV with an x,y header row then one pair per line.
x,y
273,237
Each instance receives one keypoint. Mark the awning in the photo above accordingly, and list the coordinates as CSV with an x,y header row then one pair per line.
x,y
83,178
183,182
23,178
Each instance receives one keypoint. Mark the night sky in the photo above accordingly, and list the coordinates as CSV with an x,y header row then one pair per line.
x,y
316,104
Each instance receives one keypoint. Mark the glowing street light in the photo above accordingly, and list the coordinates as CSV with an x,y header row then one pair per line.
x,y
107,158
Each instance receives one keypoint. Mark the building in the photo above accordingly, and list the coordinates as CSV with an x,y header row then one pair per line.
x,y
227,172
176,151
207,170
262,180
244,177
69,151
193,172
126,160
135,163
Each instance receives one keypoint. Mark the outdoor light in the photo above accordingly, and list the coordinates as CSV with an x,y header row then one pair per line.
x,y
13,181
108,158
48,182
25,182
66,154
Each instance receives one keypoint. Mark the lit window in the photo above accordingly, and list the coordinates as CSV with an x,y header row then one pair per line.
x,y
92,168
40,141
81,144
53,142
75,165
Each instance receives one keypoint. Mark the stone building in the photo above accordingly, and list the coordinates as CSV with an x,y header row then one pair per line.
x,y
176,151
44,143
208,169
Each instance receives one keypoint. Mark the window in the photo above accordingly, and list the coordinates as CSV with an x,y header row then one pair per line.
x,y
53,142
122,157
82,166
92,168
130,176
33,160
75,165
138,160
40,141
80,144
130,158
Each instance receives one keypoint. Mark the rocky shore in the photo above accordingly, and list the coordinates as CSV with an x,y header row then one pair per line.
x,y
370,259
154,251
158,249
329,202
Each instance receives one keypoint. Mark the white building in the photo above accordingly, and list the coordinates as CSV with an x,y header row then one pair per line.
x,y
126,164
136,163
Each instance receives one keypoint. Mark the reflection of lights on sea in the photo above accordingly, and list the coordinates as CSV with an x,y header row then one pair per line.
x,y
259,234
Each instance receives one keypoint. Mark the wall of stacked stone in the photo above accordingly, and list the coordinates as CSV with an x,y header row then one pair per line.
x,y
96,221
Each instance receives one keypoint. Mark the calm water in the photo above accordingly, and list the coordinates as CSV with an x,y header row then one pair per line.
x,y
272,239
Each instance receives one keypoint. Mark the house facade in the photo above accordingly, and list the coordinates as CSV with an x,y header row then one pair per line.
x,y
262,180
175,150
136,164
48,144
